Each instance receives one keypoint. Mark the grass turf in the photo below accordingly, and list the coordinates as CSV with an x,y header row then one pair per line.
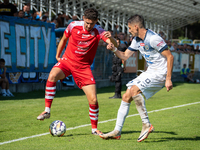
x,y
176,128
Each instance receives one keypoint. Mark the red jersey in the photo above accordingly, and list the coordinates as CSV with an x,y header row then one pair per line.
x,y
82,44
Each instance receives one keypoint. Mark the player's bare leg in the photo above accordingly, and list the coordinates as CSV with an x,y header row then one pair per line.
x,y
50,91
90,92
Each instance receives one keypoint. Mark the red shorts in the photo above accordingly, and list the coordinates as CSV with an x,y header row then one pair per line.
x,y
82,74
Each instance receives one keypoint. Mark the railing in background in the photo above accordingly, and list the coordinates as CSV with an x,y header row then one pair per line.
x,y
29,48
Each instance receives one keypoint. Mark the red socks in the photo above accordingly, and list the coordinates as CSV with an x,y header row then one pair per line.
x,y
50,92
94,113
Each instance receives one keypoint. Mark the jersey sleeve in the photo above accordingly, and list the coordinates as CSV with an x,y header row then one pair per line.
x,y
68,29
133,46
158,43
101,33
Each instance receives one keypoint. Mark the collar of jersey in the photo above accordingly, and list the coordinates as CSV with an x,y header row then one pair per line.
x,y
90,30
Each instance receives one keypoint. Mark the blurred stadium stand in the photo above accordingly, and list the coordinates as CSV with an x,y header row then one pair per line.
x,y
160,15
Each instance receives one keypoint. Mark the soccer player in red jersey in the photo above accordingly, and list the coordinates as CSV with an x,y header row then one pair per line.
x,y
83,41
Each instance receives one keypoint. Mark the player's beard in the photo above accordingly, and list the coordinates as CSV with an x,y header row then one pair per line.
x,y
135,34
88,29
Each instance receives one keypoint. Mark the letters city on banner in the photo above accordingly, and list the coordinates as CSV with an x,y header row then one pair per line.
x,y
27,45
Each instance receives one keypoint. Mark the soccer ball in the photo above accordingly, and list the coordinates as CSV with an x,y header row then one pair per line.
x,y
57,128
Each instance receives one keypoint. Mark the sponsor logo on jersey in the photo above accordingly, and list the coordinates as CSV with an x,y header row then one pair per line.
x,y
83,43
82,53
142,44
161,43
83,49
85,36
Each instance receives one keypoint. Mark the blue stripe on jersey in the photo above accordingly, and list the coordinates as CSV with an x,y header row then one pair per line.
x,y
131,49
164,48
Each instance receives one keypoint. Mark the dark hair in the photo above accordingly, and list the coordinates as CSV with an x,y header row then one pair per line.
x,y
44,17
2,60
117,38
91,14
21,10
137,19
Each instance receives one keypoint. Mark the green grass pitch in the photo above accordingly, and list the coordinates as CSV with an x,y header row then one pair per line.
x,y
176,128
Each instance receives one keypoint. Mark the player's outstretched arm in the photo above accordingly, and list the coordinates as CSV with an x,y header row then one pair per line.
x,y
110,38
61,46
170,60
122,55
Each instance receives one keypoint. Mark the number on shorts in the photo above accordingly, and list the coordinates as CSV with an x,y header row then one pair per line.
x,y
57,64
147,81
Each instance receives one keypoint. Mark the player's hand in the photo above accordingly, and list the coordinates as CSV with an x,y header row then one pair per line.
x,y
58,58
110,46
107,34
168,85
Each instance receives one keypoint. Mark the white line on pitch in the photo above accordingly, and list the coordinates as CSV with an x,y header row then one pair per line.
x,y
72,128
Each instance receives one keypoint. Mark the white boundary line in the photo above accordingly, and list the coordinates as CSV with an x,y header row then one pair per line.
x,y
72,128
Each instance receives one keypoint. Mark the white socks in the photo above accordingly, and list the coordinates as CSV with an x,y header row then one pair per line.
x,y
124,110
141,108
121,116
47,109
93,130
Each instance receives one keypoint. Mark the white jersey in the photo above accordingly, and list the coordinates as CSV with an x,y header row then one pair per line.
x,y
151,48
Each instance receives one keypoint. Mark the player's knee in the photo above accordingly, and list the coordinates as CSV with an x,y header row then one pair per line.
x,y
134,90
126,98
52,77
93,100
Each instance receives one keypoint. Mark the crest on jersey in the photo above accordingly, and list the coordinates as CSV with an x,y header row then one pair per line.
x,y
146,47
78,32
92,33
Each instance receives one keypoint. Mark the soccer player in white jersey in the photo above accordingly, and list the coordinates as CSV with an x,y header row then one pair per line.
x,y
160,63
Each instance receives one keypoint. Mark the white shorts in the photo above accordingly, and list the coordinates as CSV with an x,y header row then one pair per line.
x,y
149,83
